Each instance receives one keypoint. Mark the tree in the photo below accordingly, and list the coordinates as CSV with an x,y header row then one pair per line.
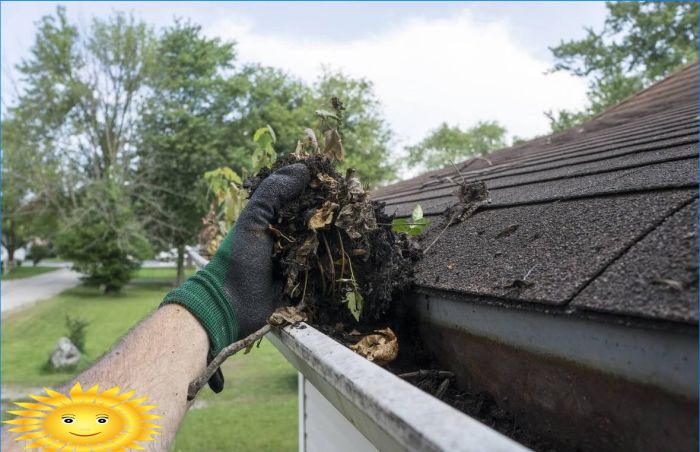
x,y
26,211
366,136
80,106
640,43
183,134
266,96
448,144
102,237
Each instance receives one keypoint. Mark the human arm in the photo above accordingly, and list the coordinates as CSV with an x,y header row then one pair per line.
x,y
230,298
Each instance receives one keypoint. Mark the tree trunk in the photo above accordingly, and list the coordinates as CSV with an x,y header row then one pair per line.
x,y
180,265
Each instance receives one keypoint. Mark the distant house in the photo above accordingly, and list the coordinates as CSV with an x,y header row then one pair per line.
x,y
572,297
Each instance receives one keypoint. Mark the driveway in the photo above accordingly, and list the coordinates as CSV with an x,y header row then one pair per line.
x,y
22,292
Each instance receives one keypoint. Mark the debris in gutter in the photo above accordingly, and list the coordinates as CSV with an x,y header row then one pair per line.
x,y
381,346
335,249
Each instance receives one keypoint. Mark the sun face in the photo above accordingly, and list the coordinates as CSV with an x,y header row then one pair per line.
x,y
85,420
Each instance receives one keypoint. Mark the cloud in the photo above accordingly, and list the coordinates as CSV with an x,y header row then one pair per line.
x,y
425,72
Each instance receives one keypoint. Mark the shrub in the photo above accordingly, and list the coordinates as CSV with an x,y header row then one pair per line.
x,y
103,238
38,253
76,331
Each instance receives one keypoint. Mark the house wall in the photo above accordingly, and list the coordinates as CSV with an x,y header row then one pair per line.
x,y
323,428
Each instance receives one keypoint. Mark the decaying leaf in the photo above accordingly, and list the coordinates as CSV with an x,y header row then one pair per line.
x,y
288,315
308,248
333,145
310,142
322,216
355,188
354,301
356,219
381,346
471,196
328,181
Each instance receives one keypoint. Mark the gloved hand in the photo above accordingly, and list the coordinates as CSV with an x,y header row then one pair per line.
x,y
235,293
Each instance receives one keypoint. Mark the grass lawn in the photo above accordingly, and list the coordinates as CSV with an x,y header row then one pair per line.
x,y
256,411
26,271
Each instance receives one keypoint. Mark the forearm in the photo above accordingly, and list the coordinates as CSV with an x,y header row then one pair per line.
x,y
157,359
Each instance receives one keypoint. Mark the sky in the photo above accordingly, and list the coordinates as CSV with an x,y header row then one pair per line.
x,y
430,62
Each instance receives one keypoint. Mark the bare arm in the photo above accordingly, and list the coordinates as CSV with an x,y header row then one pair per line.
x,y
157,359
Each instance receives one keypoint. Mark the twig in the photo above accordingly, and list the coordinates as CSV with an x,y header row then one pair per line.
x,y
303,295
458,171
342,255
330,259
449,223
423,373
278,232
231,350
529,271
442,388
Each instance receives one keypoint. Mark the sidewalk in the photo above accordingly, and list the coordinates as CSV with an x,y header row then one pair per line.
x,y
22,292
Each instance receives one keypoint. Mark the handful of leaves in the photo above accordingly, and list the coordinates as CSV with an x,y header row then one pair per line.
x,y
336,249
339,255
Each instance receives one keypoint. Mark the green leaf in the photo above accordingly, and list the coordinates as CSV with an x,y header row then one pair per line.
x,y
400,225
412,228
417,213
272,133
259,133
355,304
325,114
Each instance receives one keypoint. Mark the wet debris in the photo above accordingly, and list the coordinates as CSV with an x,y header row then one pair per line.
x,y
288,315
471,195
381,347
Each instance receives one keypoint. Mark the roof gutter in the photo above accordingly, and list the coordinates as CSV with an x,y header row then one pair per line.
x,y
391,413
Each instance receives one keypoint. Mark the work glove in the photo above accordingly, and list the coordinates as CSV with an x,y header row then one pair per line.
x,y
235,293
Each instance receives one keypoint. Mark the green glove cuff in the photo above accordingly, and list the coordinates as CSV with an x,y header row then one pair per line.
x,y
203,295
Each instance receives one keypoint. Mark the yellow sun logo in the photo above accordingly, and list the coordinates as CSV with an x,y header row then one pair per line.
x,y
85,420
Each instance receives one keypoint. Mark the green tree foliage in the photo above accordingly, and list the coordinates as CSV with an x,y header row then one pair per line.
x,y
82,92
452,144
80,105
115,104
265,96
366,136
103,237
183,134
640,43
26,211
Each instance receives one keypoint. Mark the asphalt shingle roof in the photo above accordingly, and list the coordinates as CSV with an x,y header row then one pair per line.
x,y
601,217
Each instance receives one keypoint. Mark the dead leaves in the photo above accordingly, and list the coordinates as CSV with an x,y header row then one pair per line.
x,y
356,219
333,148
288,315
322,216
380,347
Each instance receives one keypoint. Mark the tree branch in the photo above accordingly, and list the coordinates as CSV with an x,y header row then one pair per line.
x,y
231,350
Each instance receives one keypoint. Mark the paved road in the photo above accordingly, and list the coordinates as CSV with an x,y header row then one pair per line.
x,y
22,292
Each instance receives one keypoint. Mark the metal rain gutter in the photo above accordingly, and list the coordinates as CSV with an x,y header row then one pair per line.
x,y
390,412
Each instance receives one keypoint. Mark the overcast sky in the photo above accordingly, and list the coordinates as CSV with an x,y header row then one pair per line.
x,y
430,62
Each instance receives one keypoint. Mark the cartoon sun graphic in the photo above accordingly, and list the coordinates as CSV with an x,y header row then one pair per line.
x,y
85,420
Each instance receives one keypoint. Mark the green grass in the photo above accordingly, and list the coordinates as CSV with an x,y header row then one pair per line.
x,y
26,272
256,411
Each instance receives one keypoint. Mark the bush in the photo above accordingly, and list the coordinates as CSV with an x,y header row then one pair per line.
x,y
103,238
76,331
38,253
